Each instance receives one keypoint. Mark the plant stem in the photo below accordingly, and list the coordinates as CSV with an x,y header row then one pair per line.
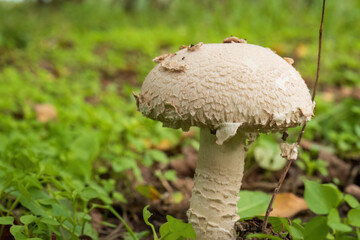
x,y
287,167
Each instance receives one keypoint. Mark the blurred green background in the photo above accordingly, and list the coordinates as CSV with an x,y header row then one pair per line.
x,y
84,58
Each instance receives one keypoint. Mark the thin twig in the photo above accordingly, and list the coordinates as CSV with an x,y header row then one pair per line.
x,y
289,162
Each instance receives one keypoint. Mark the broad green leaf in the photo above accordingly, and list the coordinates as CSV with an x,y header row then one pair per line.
x,y
60,210
119,197
158,156
334,222
296,231
354,217
17,232
252,203
88,193
23,190
321,197
262,236
6,220
278,224
176,229
27,219
316,228
170,175
351,200
49,221
34,206
267,153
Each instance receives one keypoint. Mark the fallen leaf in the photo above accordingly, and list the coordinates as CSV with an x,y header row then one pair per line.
x,y
288,205
45,112
148,191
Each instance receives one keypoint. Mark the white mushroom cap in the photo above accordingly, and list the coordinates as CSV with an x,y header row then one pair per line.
x,y
242,85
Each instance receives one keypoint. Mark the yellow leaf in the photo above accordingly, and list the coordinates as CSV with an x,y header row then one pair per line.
x,y
301,50
288,205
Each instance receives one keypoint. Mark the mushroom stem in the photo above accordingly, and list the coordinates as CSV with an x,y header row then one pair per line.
x,y
219,171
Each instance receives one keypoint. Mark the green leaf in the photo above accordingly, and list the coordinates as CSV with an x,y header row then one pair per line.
x,y
267,153
119,197
252,203
296,231
17,232
316,228
321,197
335,223
170,175
49,221
6,220
146,215
158,156
351,200
139,235
278,223
176,229
27,219
24,191
148,191
88,193
261,236
354,217
34,206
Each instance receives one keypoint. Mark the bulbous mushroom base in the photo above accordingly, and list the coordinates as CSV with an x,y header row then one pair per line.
x,y
219,171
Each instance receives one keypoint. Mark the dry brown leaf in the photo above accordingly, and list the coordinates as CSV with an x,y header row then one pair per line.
x,y
354,190
45,112
288,205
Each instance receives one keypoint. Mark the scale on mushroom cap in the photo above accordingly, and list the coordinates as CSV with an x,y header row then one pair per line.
x,y
234,90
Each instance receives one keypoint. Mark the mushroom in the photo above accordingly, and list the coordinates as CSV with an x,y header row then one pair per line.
x,y
232,92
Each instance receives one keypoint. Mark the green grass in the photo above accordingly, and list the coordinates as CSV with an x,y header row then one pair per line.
x,y
86,59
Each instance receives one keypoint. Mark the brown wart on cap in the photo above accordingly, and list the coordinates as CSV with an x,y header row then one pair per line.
x,y
173,66
233,91
233,39
289,60
182,47
160,58
136,99
193,48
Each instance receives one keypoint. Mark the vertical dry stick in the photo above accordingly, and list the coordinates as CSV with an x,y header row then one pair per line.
x,y
289,162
